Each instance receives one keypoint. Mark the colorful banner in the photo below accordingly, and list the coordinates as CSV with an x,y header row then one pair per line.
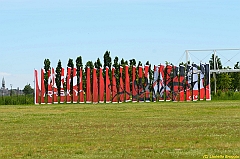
x,y
161,83
95,86
207,76
121,86
62,92
134,85
168,82
155,83
175,84
147,83
202,82
188,83
114,87
43,92
75,86
54,87
141,93
127,85
108,86
181,83
36,93
81,91
194,82
88,86
101,86
68,87
50,92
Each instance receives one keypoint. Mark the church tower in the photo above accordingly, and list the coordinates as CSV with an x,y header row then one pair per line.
x,y
3,83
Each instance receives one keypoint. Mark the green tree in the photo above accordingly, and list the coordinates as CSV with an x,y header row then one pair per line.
x,y
47,67
218,64
91,66
79,65
28,90
117,67
58,76
236,78
107,61
71,65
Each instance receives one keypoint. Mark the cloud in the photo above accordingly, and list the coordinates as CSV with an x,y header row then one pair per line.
x,y
4,74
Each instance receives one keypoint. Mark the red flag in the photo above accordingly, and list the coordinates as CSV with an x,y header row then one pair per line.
x,y
202,82
127,84
168,82
95,86
42,87
50,92
195,82
68,81
207,76
161,83
181,82
101,87
62,93
36,99
55,92
140,84
146,83
134,85
88,87
155,83
175,84
188,83
114,87
75,86
121,86
81,92
108,86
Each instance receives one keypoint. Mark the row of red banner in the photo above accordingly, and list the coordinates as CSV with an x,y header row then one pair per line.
x,y
175,83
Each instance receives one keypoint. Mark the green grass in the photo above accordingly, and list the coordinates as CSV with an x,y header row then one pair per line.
x,y
127,130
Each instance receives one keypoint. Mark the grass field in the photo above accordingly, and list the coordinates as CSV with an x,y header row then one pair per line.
x,y
127,130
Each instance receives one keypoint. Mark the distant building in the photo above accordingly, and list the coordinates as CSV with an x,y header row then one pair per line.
x,y
4,91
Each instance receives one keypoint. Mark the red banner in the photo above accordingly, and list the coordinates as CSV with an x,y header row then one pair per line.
x,y
121,86
88,86
161,83
108,86
55,92
95,86
181,83
175,84
141,92
188,83
146,83
114,87
168,82
36,99
75,86
134,85
127,85
207,76
195,82
101,86
42,87
202,82
81,92
68,81
62,93
155,83
50,92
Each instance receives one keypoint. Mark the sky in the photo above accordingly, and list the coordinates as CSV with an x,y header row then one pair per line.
x,y
144,30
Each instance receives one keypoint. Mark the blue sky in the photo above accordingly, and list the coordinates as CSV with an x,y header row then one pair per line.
x,y
154,30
